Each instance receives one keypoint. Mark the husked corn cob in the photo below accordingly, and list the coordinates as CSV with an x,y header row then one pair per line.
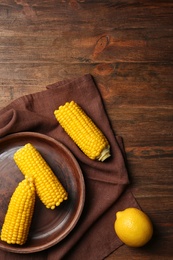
x,y
48,187
19,214
83,131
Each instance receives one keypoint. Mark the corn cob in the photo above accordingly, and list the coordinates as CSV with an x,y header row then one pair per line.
x,y
83,131
19,214
48,187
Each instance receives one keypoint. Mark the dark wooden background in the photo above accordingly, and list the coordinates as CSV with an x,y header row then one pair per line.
x,y
127,45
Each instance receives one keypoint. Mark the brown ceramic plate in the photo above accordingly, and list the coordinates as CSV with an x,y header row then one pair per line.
x,y
48,226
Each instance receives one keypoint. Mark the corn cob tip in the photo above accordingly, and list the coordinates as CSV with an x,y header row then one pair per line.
x,y
105,153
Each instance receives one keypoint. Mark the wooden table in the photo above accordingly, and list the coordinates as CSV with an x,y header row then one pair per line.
x,y
128,48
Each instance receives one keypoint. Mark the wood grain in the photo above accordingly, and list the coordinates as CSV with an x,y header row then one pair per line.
x,y
128,48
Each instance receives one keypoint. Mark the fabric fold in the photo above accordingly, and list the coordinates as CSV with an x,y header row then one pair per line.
x,y
107,183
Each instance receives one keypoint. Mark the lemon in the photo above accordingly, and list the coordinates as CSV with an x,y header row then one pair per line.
x,y
133,227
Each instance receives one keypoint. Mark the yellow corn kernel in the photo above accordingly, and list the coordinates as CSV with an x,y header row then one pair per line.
x,y
48,187
83,131
19,214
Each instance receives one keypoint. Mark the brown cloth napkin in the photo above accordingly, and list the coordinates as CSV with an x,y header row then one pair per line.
x,y
107,189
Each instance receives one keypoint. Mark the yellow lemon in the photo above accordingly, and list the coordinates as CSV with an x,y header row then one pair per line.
x,y
133,227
